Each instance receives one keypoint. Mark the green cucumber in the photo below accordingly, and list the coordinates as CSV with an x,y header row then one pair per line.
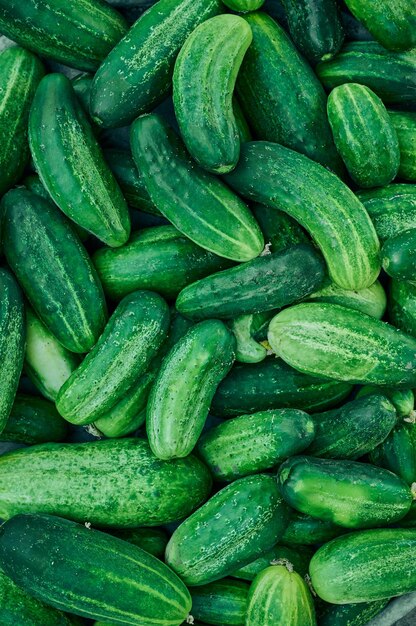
x,y
244,6
403,400
409,520
116,483
137,74
372,300
398,452
34,420
271,281
242,125
279,229
351,494
151,540
244,328
319,201
304,529
298,557
108,578
203,83
342,344
71,165
254,443
196,202
234,527
398,255
358,614
130,340
82,87
405,124
222,602
184,387
392,208
402,306
20,73
364,135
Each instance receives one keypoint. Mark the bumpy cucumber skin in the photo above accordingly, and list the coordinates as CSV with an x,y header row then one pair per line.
x,y
223,602
71,165
351,614
34,420
151,540
136,489
304,529
372,300
402,306
403,400
184,387
398,255
298,557
20,73
364,135
392,208
137,74
342,344
319,201
203,83
130,340
244,6
405,124
279,229
127,586
254,443
234,527
398,452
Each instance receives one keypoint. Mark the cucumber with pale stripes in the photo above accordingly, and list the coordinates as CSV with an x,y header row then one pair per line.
x,y
222,602
398,256
34,420
372,300
392,208
405,124
403,400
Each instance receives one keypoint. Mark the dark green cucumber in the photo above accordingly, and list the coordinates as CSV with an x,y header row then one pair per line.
x,y
351,494
137,74
71,164
196,202
364,135
298,557
402,306
304,529
254,443
159,258
403,400
151,540
34,420
234,527
392,209
130,340
20,73
405,124
54,269
372,300
242,125
409,520
279,229
244,328
108,578
116,483
398,452
271,281
358,614
244,6
82,87
354,429
319,201
342,344
398,255
184,387
222,602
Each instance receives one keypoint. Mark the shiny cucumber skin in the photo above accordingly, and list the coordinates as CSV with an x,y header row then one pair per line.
x,y
351,614
272,384
342,344
137,74
364,135
109,578
306,530
298,557
181,395
398,452
159,259
203,83
130,340
234,527
402,306
34,420
268,282
365,566
372,300
20,73
391,75
255,443
244,6
195,201
354,429
280,95
151,540
392,209
319,201
281,597
398,256
351,494
405,124
222,603
403,400
53,269
136,489
79,34
71,165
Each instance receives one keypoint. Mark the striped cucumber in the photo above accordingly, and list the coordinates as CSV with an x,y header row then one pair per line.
x,y
298,557
71,164
304,529
358,614
405,124
392,208
34,420
372,300
398,452
196,202
402,306
222,602
244,327
403,400
244,6
398,255
279,229
151,540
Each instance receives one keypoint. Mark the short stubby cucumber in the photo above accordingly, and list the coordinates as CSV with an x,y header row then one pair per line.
x,y
298,557
405,124
402,306
398,452
372,300
392,208
306,530
34,420
355,614
398,255
222,602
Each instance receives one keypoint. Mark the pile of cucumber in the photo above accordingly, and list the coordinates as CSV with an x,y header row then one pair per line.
x,y
207,311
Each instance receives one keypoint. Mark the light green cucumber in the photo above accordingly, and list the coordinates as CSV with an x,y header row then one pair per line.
x,y
34,420
405,124
392,208
129,413
222,602
244,328
372,300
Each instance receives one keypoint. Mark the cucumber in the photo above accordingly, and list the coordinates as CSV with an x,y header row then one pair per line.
x,y
127,586
69,480
403,400
364,135
254,443
391,75
20,73
398,452
71,165
151,540
159,258
365,566
354,429
272,384
12,342
130,340
34,420
304,529
372,300
244,6
319,201
137,74
405,124
234,527
281,597
248,288
203,83
351,494
279,229
280,95
53,269
335,342
197,203
242,125
298,557
351,614
402,306
184,387
248,349
392,208
82,87
222,602
398,255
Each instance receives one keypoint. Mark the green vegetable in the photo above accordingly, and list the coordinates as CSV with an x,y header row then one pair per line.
x,y
244,6
405,124
222,602
403,400
398,452
279,229
244,328
392,208
398,255
151,540
402,306
351,614
304,529
34,420
298,557
372,300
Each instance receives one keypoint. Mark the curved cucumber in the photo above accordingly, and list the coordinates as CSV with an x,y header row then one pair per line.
x,y
372,300
398,255
358,614
403,400
298,558
398,452
151,540
402,306
222,602
392,208
405,124
34,420
306,530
